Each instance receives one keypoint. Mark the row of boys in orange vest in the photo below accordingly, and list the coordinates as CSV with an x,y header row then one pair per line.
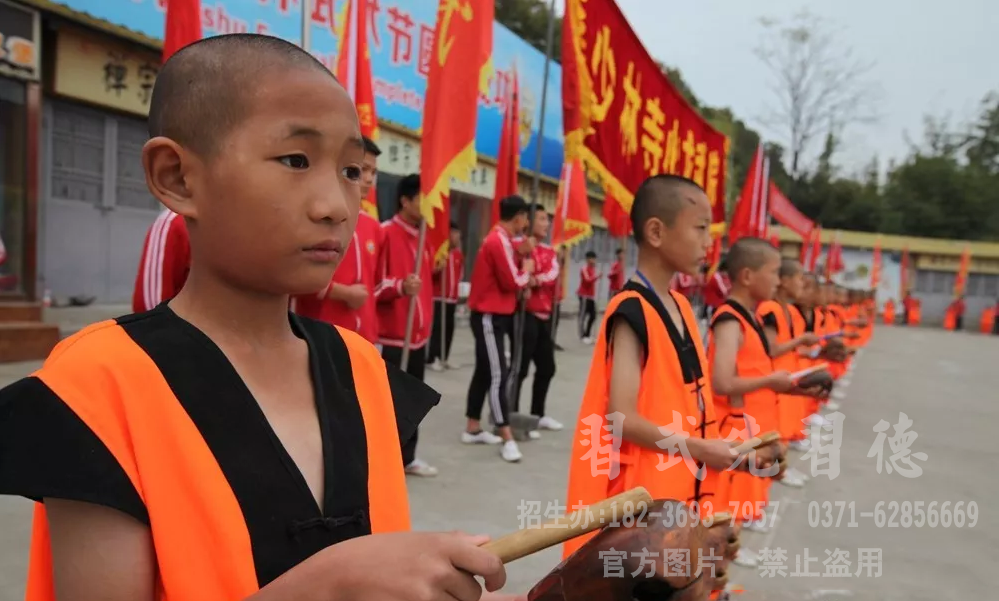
x,y
676,409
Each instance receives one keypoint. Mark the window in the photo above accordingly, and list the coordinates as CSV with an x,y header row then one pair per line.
x,y
924,281
990,286
13,175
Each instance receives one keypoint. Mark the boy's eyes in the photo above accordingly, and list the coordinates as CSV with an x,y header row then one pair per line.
x,y
295,161
353,172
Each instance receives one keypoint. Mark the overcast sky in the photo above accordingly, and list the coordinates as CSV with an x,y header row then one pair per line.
x,y
931,56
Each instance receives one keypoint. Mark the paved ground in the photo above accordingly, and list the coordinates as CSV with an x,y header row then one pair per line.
x,y
944,382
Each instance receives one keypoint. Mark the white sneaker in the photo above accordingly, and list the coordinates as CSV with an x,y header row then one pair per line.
x,y
587,341
481,437
511,452
437,365
534,435
816,420
452,365
832,406
799,474
549,423
838,395
792,480
420,467
746,558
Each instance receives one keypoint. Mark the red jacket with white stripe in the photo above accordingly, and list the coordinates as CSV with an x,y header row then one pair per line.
x,y
588,277
396,260
496,278
542,300
358,266
449,275
165,262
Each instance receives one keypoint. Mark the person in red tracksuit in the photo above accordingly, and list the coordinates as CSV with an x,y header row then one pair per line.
x,y
497,283
446,278
615,277
165,262
587,293
348,301
399,282
538,341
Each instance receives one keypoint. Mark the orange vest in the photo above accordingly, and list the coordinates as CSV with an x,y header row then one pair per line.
x,y
889,314
201,541
753,361
988,320
810,405
788,410
662,392
743,493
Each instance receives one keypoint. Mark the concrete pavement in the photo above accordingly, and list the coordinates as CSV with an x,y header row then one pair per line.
x,y
944,382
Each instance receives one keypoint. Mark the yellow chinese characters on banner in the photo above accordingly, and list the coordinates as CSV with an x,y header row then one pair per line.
x,y
630,122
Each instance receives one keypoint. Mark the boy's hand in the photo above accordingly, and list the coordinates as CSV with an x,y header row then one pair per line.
x,y
355,296
718,454
528,265
780,381
413,566
411,285
808,339
527,246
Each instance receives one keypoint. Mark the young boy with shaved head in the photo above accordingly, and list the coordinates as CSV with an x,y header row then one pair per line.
x,y
219,447
743,376
648,379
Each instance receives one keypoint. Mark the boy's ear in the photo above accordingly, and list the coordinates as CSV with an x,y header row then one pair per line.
x,y
166,165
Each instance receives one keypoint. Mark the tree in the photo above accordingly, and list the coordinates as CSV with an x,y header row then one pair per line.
x,y
528,19
820,87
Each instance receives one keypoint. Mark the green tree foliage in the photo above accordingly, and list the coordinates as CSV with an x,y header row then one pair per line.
x,y
529,20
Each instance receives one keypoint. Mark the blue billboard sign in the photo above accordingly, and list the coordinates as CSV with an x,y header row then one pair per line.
x,y
400,34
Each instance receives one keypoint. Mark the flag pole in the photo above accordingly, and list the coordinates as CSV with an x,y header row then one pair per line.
x,y
412,300
306,25
444,291
518,334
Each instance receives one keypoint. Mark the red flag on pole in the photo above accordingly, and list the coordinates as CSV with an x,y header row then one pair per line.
x,y
460,68
183,25
508,160
751,216
618,222
903,278
961,281
353,69
813,260
571,221
784,211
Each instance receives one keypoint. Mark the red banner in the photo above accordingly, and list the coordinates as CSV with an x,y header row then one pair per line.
x,y
622,116
751,215
618,220
508,160
183,25
961,281
876,265
460,67
786,214
903,278
353,69
813,260
571,221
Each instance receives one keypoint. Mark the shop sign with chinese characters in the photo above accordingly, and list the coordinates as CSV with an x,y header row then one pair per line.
x,y
97,70
20,42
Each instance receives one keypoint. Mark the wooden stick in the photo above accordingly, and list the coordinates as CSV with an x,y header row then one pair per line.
x,y
756,442
531,540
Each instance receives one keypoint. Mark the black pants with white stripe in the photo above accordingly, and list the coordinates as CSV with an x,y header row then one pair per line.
x,y
417,369
443,326
491,367
539,348
587,315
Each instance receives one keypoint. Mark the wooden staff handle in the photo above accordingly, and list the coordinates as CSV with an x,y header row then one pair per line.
x,y
717,519
531,540
756,442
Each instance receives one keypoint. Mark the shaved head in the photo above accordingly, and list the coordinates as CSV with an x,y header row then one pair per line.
x,y
749,253
790,268
204,90
661,197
